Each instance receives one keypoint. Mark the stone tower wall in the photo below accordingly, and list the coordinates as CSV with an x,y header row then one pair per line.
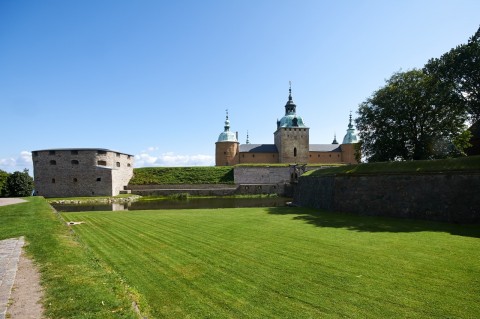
x,y
290,139
91,172
226,153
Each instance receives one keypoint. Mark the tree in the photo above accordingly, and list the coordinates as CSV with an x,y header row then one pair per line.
x,y
3,179
19,184
461,67
414,116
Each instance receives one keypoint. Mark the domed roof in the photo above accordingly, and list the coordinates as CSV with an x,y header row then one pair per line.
x,y
350,137
291,119
226,135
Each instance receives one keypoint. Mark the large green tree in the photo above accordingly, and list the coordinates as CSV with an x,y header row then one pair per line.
x,y
461,67
18,184
414,116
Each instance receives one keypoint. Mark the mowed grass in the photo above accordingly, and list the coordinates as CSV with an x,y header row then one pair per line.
x,y
288,263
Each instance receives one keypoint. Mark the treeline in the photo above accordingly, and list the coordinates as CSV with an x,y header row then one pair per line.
x,y
16,184
423,113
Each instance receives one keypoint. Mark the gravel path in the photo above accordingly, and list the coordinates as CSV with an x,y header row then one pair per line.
x,y
10,250
10,201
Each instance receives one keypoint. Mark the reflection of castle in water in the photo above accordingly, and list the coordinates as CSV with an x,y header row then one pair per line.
x,y
291,144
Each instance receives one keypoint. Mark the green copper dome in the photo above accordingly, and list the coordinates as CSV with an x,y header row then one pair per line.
x,y
350,137
226,135
291,119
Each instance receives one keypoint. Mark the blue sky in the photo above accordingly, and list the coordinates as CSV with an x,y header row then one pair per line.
x,y
153,78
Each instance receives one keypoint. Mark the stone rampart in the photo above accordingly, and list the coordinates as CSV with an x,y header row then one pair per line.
x,y
451,196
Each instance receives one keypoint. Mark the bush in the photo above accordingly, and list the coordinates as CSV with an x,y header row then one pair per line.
x,y
18,184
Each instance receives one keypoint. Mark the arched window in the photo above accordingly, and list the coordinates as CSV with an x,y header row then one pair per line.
x,y
53,162
295,151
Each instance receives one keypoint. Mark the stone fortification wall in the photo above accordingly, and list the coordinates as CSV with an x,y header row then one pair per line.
x,y
81,172
451,197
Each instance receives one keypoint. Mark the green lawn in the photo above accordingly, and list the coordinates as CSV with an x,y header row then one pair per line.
x,y
287,263
182,175
76,285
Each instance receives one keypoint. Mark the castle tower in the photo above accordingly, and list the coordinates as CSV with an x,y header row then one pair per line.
x,y
292,136
348,145
226,147
350,137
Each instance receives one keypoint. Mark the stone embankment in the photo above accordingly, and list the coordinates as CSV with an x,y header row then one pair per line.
x,y
448,196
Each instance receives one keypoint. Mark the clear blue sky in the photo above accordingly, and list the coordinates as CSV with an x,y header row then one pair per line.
x,y
153,78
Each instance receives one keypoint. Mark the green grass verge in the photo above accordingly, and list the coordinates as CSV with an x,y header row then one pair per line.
x,y
75,284
287,165
470,163
288,263
182,175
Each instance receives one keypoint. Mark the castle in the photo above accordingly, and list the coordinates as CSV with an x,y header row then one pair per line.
x,y
291,144
81,172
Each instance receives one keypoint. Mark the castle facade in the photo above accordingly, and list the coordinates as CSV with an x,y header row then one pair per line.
x,y
81,172
291,144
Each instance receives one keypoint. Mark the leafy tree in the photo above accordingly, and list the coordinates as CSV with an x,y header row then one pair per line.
x,y
3,179
19,184
414,116
461,67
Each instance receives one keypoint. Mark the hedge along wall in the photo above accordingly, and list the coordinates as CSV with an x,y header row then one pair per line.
x,y
452,197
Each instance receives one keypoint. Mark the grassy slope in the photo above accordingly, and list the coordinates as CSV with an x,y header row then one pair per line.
x,y
74,283
182,175
471,163
289,263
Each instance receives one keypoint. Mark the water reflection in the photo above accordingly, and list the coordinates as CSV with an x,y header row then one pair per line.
x,y
190,203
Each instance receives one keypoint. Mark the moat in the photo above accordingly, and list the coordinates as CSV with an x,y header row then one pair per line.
x,y
190,203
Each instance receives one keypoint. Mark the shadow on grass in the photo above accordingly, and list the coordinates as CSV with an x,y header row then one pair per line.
x,y
359,223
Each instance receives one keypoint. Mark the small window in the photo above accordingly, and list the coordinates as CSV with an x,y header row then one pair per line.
x,y
128,156
253,155
118,164
338,155
294,151
99,179
53,180
75,180
101,152
118,154
330,155
129,165
52,162
75,162
318,155
51,152
35,153
74,152
224,153
102,163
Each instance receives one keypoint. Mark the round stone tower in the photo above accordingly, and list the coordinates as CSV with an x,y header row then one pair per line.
x,y
226,147
292,136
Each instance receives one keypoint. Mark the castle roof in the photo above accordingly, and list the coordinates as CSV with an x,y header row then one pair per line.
x,y
226,135
258,148
81,149
350,137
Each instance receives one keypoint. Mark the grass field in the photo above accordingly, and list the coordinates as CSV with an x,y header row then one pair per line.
x,y
287,263
182,175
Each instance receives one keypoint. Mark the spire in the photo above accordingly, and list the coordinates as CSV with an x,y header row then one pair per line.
x,y
334,138
290,107
350,137
248,142
227,122
350,125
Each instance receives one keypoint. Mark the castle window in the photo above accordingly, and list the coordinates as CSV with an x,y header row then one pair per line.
x,y
118,154
129,165
118,164
330,155
318,155
253,155
75,162
128,156
338,155
295,151
310,155
35,153
53,180
101,152
52,162
75,180
224,153
102,163
51,152
99,179
74,152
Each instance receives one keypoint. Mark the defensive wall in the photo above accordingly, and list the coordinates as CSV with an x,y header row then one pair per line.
x,y
448,196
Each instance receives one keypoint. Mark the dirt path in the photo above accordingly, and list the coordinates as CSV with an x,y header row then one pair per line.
x,y
10,201
25,300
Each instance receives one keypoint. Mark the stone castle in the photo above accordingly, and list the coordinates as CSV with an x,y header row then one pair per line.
x,y
81,172
291,144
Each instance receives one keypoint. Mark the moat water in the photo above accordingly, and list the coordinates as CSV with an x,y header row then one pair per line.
x,y
191,203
